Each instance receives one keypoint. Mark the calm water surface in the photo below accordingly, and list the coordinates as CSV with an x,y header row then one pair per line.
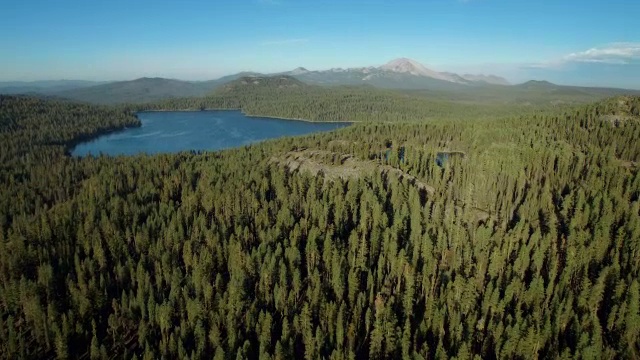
x,y
166,132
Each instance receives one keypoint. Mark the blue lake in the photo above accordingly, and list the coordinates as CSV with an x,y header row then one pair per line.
x,y
166,132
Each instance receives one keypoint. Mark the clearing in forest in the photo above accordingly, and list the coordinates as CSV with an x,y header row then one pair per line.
x,y
333,166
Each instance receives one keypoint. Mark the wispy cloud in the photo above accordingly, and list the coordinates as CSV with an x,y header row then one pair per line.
x,y
283,42
615,53
618,53
544,65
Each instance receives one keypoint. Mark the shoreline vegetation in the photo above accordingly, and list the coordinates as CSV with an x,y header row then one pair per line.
x,y
254,116
185,131
70,145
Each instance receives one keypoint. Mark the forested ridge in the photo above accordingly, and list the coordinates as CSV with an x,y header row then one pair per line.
x,y
286,97
527,246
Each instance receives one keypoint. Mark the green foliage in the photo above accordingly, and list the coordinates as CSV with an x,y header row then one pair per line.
x,y
527,246
286,97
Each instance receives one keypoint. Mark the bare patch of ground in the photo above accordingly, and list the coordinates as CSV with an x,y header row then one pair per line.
x,y
627,164
333,166
330,164
617,119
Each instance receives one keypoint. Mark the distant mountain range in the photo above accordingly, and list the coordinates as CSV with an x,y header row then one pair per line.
x,y
400,73
132,91
403,74
44,87
139,90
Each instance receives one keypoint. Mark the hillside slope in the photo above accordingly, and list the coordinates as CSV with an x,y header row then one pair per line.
x,y
44,87
287,97
139,91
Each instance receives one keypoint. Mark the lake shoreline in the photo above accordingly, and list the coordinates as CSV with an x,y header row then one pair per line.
x,y
186,130
304,120
71,145
255,116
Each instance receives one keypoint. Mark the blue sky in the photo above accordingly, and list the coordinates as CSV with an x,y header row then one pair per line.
x,y
588,42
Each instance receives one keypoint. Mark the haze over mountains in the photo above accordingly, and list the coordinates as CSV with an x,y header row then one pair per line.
x,y
402,74
46,86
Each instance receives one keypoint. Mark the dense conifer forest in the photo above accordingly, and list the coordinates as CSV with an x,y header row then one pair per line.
x,y
524,243
286,97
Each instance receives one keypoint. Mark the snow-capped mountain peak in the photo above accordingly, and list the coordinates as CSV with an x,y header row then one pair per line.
x,y
398,73
412,67
299,71
408,66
